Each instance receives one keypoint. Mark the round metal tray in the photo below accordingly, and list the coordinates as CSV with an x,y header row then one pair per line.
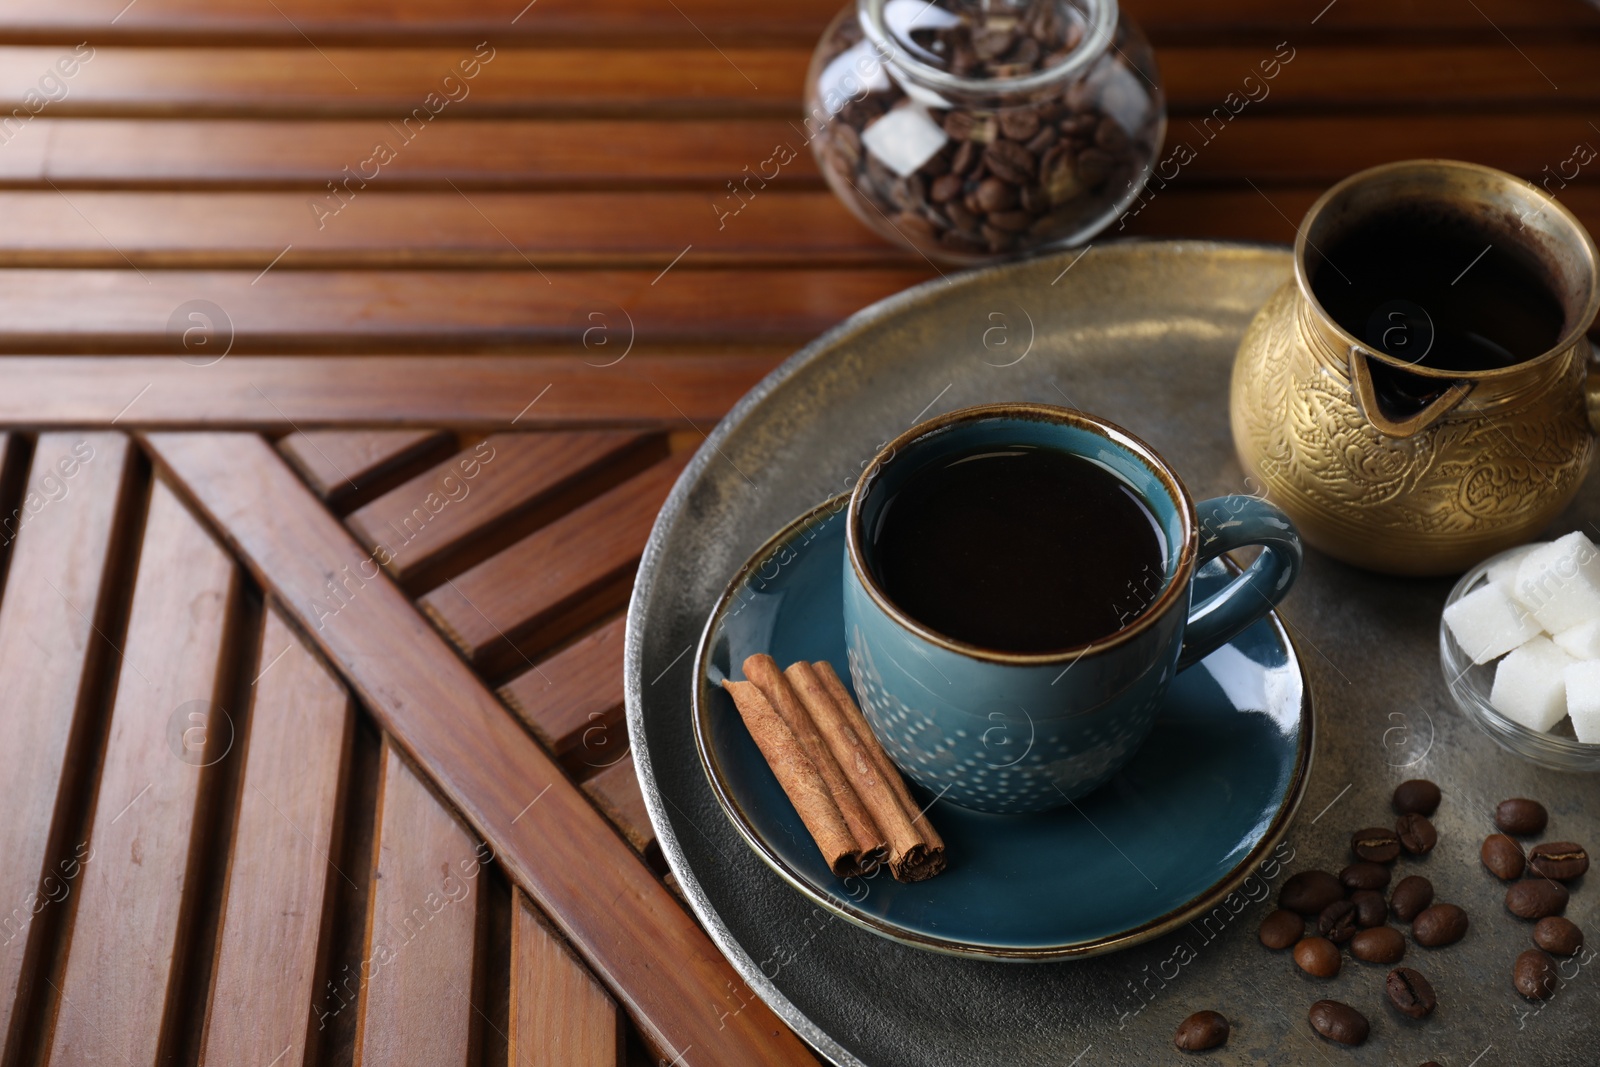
x,y
1143,334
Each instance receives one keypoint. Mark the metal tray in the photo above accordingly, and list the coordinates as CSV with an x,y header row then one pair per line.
x,y
1143,334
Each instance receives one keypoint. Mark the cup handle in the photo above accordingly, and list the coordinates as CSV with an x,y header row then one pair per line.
x,y
1226,523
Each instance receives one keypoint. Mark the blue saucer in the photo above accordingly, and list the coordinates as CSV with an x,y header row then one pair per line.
x,y
1207,797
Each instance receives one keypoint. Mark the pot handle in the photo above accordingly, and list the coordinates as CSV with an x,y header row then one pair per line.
x,y
1592,389
1367,397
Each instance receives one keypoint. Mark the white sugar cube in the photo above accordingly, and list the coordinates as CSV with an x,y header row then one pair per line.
x,y
904,139
1530,685
1560,583
1580,642
1503,572
1488,623
1583,700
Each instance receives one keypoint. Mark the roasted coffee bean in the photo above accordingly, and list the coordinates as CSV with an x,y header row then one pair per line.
x,y
1535,898
1371,908
1410,897
1011,161
1558,936
1376,844
1521,816
1202,1030
1282,928
959,125
1534,975
1094,166
1418,796
1318,957
1337,922
914,227
960,218
1381,944
993,194
1034,199
1309,892
1561,860
1410,992
1440,924
1110,136
1010,221
1019,124
1339,1022
1416,834
997,239
965,159
946,187
1045,138
1363,875
1502,856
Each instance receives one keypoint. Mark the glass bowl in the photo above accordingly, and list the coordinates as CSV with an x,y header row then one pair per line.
x,y
1470,683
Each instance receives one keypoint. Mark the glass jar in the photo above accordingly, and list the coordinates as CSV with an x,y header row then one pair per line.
x,y
978,129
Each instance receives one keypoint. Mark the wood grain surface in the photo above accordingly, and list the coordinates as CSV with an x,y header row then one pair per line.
x,y
562,1014
279,866
122,996
550,839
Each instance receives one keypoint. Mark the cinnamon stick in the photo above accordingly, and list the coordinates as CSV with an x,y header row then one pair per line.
x,y
763,670
891,773
910,857
801,781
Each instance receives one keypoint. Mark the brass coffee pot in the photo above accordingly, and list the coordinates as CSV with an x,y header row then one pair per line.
x,y
1487,461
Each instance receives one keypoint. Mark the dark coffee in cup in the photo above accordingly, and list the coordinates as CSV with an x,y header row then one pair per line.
x,y
1019,548
1428,284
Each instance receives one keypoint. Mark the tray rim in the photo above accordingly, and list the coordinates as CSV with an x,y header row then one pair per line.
x,y
633,687
1146,931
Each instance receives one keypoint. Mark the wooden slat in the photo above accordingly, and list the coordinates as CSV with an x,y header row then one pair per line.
x,y
54,598
501,478
277,889
284,393
338,464
550,840
118,310
573,700
472,154
291,22
675,82
616,790
491,609
395,81
245,231
416,1003
559,1013
119,1001
589,162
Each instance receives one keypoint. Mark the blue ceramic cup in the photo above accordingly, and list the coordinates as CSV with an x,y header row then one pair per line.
x,y
1005,731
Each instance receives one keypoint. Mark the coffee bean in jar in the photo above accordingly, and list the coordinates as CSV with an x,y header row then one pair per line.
x,y
973,130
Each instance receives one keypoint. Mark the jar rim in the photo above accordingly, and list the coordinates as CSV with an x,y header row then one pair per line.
x,y
1102,18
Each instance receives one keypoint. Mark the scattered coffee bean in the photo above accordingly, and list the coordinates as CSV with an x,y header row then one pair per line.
x,y
1410,897
1536,898
1375,845
1503,857
1558,936
1534,975
1440,924
1410,992
1381,944
1282,928
1363,875
1318,957
1371,908
1202,1030
1337,922
1521,816
1416,834
1418,796
1339,1022
1309,892
1561,860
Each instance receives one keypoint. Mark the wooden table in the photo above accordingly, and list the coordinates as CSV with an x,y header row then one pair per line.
x,y
350,347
